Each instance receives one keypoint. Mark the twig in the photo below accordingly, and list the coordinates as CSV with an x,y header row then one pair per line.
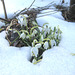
x,y
4,20
19,13
31,4
72,6
47,14
4,9
23,10
8,40
33,10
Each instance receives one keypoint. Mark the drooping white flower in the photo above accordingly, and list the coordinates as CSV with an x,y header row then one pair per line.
x,y
55,35
32,35
45,34
34,60
34,51
46,45
27,36
22,20
33,44
47,30
41,29
34,41
38,45
34,31
41,38
22,35
53,43
34,23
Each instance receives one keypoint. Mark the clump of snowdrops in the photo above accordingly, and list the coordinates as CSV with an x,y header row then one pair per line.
x,y
39,38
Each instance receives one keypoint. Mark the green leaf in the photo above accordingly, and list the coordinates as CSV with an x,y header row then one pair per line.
x,y
37,61
25,31
1,29
45,24
33,28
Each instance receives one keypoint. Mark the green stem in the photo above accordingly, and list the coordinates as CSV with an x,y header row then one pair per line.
x,y
14,40
25,42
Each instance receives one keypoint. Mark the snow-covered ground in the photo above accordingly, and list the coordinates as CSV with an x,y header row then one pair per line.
x,y
56,61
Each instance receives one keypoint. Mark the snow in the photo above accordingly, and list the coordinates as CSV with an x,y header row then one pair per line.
x,y
56,61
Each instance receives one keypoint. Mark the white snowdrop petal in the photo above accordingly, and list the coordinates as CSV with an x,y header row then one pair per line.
x,y
45,34
27,37
14,31
46,45
48,31
34,51
32,35
22,35
34,32
38,45
32,44
53,43
33,61
34,41
55,35
33,22
23,23
22,20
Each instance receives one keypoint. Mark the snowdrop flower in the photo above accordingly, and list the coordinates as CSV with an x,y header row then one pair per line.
x,y
33,44
32,35
38,45
41,29
52,33
34,51
34,23
46,45
35,31
55,35
45,34
41,38
22,35
22,20
14,31
47,30
27,36
34,41
53,43
34,60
